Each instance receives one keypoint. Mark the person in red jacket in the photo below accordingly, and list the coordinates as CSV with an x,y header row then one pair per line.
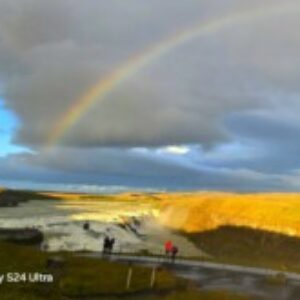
x,y
168,247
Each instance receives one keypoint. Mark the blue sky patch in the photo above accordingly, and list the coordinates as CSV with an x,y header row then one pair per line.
x,y
8,126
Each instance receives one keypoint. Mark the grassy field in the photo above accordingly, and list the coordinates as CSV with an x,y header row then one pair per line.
x,y
84,278
22,196
249,247
248,229
198,212
79,277
147,197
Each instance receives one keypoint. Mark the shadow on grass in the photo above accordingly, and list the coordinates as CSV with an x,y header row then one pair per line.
x,y
248,246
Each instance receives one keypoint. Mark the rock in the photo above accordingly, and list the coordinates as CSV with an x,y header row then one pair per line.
x,y
137,222
22,236
86,226
44,246
56,262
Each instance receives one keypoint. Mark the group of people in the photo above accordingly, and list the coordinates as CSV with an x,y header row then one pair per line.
x,y
171,250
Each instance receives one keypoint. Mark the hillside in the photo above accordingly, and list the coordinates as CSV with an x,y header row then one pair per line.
x,y
197,212
248,229
250,247
10,198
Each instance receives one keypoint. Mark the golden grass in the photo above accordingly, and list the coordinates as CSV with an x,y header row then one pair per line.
x,y
104,197
196,212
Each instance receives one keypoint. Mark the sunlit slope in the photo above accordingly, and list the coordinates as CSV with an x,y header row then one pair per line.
x,y
203,211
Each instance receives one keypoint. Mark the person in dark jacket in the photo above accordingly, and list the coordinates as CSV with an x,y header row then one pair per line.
x,y
111,245
106,245
174,252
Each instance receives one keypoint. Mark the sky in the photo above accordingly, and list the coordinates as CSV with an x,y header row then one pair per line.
x,y
8,126
219,111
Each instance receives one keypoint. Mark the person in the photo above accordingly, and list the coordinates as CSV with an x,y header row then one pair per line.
x,y
168,248
106,246
174,252
111,245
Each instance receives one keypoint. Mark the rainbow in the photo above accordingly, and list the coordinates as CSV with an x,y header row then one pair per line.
x,y
132,66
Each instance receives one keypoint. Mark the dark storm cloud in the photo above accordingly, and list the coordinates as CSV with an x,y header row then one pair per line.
x,y
63,47
274,138
237,86
103,167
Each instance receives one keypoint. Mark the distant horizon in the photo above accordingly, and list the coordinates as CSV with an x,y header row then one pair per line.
x,y
111,189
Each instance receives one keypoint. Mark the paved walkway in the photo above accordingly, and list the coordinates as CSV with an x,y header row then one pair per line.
x,y
197,264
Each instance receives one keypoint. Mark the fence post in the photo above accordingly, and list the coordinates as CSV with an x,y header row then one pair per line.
x,y
129,277
153,276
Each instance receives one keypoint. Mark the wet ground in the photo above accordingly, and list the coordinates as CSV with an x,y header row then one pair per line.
x,y
248,284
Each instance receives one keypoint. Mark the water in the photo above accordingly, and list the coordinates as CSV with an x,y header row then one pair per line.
x,y
62,222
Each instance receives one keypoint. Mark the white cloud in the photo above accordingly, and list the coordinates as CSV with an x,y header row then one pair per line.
x,y
176,150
